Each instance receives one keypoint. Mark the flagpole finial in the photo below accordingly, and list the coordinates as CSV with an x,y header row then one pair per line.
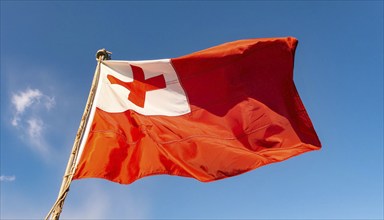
x,y
103,54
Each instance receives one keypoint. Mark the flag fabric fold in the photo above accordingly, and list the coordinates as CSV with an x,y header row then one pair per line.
x,y
209,115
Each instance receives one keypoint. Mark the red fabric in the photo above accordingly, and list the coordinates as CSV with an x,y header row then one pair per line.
x,y
245,113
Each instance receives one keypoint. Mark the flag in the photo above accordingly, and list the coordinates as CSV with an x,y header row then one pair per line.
x,y
208,115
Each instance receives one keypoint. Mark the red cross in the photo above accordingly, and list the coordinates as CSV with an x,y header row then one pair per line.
x,y
140,86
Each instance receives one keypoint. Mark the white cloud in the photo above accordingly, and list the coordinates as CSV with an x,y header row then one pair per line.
x,y
7,178
30,107
35,127
22,100
35,134
28,99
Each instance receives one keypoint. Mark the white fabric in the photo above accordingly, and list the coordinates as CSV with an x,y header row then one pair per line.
x,y
169,101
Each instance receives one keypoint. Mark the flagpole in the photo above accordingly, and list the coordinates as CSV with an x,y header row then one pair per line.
x,y
57,207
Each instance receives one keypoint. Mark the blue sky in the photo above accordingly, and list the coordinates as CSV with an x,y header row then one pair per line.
x,y
47,64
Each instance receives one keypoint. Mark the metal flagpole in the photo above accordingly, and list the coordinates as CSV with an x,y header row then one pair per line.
x,y
57,207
